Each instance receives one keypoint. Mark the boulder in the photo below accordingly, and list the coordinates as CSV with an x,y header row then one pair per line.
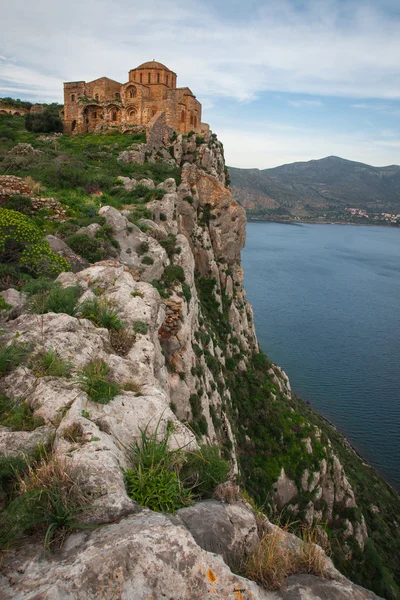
x,y
225,529
141,557
62,249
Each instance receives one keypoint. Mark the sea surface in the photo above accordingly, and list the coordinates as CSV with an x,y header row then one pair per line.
x,y
326,301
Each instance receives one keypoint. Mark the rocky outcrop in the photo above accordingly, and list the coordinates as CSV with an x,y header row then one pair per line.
x,y
150,555
173,372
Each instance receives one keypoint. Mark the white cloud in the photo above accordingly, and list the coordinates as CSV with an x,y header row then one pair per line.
x,y
305,103
327,48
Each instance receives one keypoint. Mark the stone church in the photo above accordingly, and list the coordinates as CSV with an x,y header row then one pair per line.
x,y
151,90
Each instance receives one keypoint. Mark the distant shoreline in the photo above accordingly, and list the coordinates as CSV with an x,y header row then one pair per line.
x,y
319,222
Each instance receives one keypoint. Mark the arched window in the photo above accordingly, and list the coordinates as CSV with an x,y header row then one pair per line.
x,y
72,97
158,77
95,115
195,121
183,116
148,77
141,77
191,119
166,79
132,92
153,111
114,115
96,96
132,114
73,125
134,77
117,95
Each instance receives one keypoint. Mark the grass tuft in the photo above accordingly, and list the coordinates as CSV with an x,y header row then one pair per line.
x,y
154,479
12,356
101,313
17,415
96,383
50,498
48,363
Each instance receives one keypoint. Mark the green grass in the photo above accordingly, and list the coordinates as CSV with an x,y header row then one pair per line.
x,y
48,363
165,480
154,481
77,167
96,383
17,415
101,313
46,296
12,356
140,327
49,499
204,470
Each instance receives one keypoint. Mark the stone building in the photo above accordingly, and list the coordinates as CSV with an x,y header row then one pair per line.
x,y
150,91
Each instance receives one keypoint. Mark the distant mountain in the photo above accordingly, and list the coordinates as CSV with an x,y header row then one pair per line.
x,y
317,188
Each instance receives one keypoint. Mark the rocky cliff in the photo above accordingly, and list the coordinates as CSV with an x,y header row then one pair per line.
x,y
184,366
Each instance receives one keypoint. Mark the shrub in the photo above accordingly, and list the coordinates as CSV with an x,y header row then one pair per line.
x,y
100,313
46,297
17,415
188,199
186,291
22,244
153,481
86,247
21,204
140,327
163,217
140,212
48,363
47,121
143,248
195,405
97,385
11,277
205,470
147,260
50,494
173,274
121,341
169,245
12,356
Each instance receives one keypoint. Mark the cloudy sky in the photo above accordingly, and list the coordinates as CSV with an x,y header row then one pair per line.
x,y
279,80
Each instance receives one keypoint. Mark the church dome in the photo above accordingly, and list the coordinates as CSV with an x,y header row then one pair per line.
x,y
152,64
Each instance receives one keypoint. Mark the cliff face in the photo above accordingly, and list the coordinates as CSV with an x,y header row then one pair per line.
x,y
191,368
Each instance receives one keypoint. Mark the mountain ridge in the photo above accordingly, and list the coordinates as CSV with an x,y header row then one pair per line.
x,y
318,188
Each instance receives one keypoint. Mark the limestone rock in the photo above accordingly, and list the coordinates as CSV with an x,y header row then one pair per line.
x,y
21,443
309,587
62,249
285,490
143,556
90,230
225,529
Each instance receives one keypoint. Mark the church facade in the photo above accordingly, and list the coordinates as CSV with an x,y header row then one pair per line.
x,y
151,89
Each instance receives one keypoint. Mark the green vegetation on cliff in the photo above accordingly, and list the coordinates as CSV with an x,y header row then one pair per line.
x,y
270,431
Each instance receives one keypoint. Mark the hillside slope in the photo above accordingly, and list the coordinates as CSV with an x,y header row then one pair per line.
x,y
318,187
145,342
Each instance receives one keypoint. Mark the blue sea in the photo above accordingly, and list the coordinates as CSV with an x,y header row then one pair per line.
x,y
326,301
